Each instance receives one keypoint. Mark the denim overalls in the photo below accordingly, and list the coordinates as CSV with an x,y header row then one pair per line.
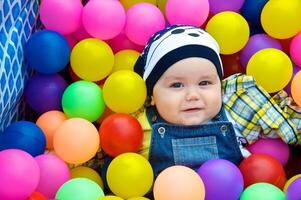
x,y
191,145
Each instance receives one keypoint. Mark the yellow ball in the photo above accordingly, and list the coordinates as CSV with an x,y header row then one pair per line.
x,y
128,3
281,18
162,4
138,198
130,175
124,91
125,59
110,197
92,59
287,183
230,30
86,172
271,68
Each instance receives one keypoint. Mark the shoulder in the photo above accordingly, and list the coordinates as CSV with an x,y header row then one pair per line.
x,y
237,82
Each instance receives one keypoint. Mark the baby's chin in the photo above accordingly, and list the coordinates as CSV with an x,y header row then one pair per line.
x,y
192,122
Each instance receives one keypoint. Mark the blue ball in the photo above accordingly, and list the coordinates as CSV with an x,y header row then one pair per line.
x,y
251,10
23,135
104,169
47,51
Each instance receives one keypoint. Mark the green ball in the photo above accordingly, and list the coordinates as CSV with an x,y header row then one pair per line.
x,y
262,191
83,99
79,189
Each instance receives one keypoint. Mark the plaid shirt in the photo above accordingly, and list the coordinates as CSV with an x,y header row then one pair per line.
x,y
257,113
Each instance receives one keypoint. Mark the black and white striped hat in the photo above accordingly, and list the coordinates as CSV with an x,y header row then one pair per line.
x,y
172,44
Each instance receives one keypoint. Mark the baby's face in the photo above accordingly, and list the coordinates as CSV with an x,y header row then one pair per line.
x,y
189,92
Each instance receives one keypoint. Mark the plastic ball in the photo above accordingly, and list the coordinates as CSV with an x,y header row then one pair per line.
x,y
178,183
79,189
187,12
61,16
103,19
235,31
262,191
296,69
222,179
125,59
251,10
129,3
49,122
44,92
225,5
142,21
120,133
36,196
71,40
110,197
86,172
138,198
271,68
295,49
54,172
92,59
83,99
23,135
124,91
130,175
81,33
257,42
162,5
104,169
293,191
232,64
296,88
76,141
262,168
288,182
281,19
19,174
273,147
122,42
47,51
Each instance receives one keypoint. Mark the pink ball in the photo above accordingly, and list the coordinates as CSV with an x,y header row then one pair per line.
x,y
54,173
71,40
143,20
273,147
19,174
121,42
187,12
104,19
61,16
81,33
295,49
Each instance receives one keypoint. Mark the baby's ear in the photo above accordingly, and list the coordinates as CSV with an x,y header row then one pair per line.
x,y
139,66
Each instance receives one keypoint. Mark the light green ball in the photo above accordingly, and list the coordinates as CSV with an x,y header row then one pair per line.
x,y
262,191
83,99
79,189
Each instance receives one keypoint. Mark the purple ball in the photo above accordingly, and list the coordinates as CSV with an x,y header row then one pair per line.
x,y
293,191
257,42
225,5
222,179
296,69
44,92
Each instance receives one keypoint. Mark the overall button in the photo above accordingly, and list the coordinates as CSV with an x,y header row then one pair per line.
x,y
224,129
161,131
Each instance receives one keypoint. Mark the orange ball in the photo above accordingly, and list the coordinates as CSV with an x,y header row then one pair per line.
x,y
49,122
76,140
296,88
36,196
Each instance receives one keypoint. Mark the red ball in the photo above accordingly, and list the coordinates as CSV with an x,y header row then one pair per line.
x,y
232,65
36,196
120,133
262,168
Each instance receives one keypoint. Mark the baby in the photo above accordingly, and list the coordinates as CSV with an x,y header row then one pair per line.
x,y
191,115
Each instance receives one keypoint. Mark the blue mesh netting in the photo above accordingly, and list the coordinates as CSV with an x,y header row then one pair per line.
x,y
17,22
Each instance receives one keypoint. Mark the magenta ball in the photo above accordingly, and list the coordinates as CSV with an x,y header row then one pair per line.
x,y
121,42
187,12
222,179
293,191
295,49
143,20
61,16
225,5
104,19
257,42
44,92
54,172
273,147
19,174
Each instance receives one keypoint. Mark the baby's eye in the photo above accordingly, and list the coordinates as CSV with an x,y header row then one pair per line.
x,y
202,83
176,85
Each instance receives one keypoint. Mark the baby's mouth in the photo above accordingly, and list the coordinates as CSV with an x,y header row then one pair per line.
x,y
192,109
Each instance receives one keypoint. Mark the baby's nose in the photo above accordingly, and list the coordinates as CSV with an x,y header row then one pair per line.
x,y
192,94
